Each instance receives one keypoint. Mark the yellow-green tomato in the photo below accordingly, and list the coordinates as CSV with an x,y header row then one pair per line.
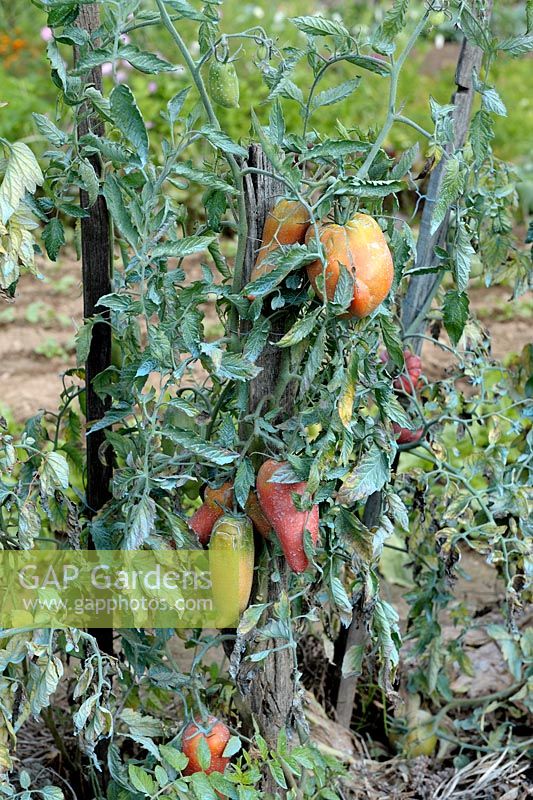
x,y
420,739
232,576
313,431
116,353
437,18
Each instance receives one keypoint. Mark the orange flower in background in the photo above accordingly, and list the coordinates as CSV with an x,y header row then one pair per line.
x,y
10,48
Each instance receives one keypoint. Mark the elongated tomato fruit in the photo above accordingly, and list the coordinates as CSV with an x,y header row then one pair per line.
x,y
288,523
255,512
203,519
286,223
362,249
234,536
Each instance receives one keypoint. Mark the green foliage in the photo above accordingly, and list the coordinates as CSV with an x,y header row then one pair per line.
x,y
473,482
178,394
29,78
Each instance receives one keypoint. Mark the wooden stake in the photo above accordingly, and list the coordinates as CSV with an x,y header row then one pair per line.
x,y
96,253
422,288
267,689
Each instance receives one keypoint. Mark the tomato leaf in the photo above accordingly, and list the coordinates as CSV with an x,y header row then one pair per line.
x,y
352,663
233,746
182,247
300,330
244,480
370,63
369,476
115,203
22,174
314,361
222,141
455,314
319,26
208,450
53,237
334,95
141,780
143,61
128,119
452,185
391,339
174,758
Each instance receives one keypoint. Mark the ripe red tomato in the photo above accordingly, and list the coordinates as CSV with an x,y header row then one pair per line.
x,y
405,436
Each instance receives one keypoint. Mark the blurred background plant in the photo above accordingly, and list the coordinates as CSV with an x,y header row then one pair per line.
x,y
24,72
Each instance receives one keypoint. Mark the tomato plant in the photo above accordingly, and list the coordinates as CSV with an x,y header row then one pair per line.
x,y
287,416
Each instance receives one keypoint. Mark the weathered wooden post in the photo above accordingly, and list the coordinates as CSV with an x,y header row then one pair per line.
x,y
96,275
268,688
422,288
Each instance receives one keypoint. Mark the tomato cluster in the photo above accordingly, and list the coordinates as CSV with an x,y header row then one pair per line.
x,y
407,383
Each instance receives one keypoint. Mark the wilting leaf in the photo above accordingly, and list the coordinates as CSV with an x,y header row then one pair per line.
x,y
369,476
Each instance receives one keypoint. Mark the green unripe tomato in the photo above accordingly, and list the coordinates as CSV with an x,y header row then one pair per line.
x,y
223,84
116,353
437,18
313,431
192,489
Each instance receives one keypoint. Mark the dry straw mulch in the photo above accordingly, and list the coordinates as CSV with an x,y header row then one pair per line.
x,y
495,776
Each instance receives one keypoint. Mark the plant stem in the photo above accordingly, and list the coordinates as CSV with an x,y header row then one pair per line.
x,y
259,37
415,324
48,717
465,702
318,77
225,637
393,91
431,340
242,227
413,124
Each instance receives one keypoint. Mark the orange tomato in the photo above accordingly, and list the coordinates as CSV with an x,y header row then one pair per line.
x,y
211,510
286,223
360,246
217,738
